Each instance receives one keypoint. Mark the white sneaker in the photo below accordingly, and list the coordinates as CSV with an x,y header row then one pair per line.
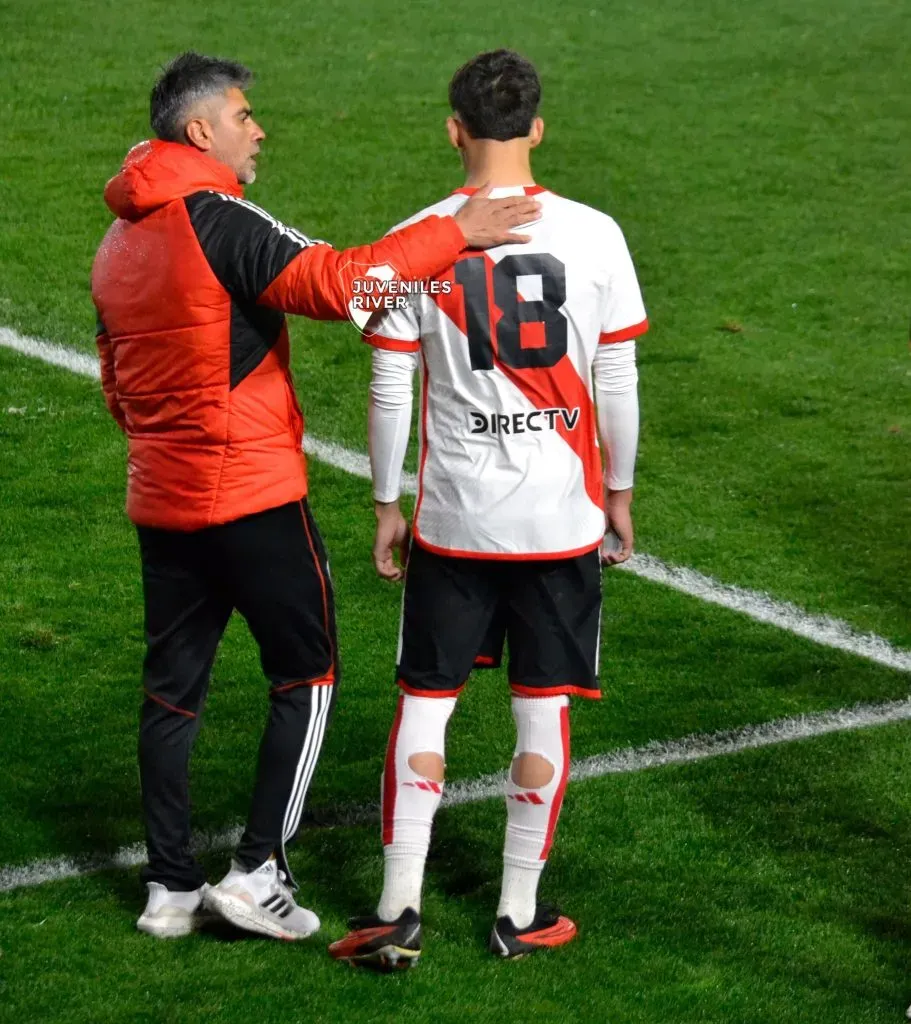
x,y
259,901
171,915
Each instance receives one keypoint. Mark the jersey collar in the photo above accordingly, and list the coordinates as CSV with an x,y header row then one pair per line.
x,y
530,190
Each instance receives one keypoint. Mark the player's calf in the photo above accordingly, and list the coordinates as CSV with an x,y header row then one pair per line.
x,y
534,795
412,789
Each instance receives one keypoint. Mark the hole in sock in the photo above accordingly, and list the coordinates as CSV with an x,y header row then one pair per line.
x,y
531,771
429,765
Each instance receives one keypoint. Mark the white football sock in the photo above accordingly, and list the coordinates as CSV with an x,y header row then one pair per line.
x,y
542,725
410,800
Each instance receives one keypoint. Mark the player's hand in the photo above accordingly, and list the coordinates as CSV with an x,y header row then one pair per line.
x,y
392,538
619,523
487,222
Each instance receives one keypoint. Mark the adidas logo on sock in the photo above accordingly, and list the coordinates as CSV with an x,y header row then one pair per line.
x,y
427,785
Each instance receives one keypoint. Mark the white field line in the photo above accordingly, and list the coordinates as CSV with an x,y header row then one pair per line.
x,y
624,761
355,463
821,629
828,632
56,355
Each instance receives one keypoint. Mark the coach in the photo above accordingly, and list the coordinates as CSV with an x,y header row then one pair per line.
x,y
191,285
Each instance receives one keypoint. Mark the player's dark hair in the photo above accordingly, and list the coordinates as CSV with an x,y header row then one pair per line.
x,y
496,95
183,83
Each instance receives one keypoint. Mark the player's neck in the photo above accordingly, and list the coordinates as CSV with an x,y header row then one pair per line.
x,y
499,163
499,177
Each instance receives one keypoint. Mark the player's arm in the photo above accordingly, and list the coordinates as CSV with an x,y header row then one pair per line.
x,y
617,399
108,381
396,342
391,399
616,393
260,260
318,283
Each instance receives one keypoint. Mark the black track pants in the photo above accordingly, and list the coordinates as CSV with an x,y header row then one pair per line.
x,y
271,567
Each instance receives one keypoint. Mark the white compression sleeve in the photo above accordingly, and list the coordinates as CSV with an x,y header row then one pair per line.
x,y
617,398
410,800
542,729
391,398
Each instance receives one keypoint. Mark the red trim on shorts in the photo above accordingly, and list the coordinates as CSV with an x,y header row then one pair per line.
x,y
625,334
485,659
389,780
496,556
554,691
170,707
392,344
561,788
327,679
414,692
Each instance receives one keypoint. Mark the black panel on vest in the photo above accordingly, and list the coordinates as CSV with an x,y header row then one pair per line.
x,y
254,331
245,246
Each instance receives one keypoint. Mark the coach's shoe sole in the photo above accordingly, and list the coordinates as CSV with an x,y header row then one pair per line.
x,y
242,913
170,925
167,915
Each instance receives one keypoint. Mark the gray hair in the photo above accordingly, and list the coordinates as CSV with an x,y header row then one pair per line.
x,y
189,78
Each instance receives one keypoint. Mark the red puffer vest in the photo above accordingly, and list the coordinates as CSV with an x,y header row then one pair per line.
x,y
191,284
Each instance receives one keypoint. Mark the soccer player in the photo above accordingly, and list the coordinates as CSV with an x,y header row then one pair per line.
x,y
513,502
192,284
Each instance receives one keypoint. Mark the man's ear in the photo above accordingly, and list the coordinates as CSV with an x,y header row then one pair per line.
x,y
454,131
199,133
536,133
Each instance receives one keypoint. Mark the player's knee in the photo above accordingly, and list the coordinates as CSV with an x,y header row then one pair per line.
x,y
428,765
531,771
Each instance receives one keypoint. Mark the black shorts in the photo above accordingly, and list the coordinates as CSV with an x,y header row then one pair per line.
x,y
457,612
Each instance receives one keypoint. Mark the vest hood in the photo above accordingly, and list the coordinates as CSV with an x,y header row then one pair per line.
x,y
155,173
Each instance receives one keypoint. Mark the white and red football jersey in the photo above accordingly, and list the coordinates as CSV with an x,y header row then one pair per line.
x,y
509,464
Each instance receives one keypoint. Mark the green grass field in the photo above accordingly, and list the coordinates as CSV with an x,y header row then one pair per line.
x,y
756,156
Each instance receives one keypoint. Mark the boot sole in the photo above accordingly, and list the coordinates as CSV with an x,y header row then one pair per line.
x,y
387,958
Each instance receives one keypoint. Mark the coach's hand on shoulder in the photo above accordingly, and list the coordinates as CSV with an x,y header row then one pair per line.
x,y
487,222
392,538
619,527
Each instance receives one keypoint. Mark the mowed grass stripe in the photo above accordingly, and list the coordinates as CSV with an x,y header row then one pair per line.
x,y
821,629
824,630
655,754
